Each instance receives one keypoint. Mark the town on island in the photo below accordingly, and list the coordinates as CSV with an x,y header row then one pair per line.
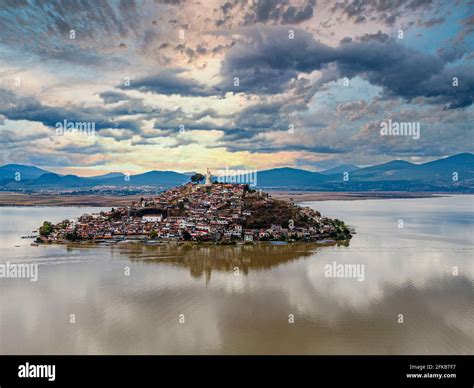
x,y
212,213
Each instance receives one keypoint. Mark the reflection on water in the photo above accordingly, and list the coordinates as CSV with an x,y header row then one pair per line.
x,y
408,271
202,260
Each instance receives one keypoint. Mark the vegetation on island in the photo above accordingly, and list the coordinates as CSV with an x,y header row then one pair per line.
x,y
197,178
46,229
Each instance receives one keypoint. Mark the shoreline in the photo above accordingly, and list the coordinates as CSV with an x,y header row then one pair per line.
x,y
46,200
12,199
158,243
319,196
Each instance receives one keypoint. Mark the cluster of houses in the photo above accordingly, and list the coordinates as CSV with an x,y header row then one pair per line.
x,y
215,212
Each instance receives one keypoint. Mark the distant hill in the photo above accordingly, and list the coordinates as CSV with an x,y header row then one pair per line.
x,y
48,178
436,172
284,177
397,175
151,178
287,177
107,176
51,179
386,171
442,170
8,171
340,169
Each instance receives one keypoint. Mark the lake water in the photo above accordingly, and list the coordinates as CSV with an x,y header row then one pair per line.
x,y
250,299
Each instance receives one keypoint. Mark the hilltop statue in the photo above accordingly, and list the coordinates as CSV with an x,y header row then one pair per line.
x,y
208,178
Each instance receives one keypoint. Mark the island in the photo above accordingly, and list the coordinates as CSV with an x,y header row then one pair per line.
x,y
211,213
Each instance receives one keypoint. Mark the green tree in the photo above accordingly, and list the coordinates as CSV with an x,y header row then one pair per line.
x,y
72,236
196,178
153,234
46,229
187,236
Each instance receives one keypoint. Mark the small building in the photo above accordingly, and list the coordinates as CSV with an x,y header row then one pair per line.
x,y
248,237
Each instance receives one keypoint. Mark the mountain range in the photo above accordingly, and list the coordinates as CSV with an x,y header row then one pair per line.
x,y
451,174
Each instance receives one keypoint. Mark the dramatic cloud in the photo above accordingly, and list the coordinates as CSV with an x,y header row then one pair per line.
x,y
376,10
170,82
272,60
88,18
267,11
27,108
113,97
278,11
258,83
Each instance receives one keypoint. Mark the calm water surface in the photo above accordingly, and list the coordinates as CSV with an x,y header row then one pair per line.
x,y
408,271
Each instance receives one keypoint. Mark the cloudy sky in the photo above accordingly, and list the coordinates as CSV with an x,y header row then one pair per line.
x,y
183,85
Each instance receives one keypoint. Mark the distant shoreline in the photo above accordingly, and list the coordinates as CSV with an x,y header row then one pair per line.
x,y
20,199
306,196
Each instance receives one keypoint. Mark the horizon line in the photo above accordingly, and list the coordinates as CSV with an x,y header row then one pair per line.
x,y
232,168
